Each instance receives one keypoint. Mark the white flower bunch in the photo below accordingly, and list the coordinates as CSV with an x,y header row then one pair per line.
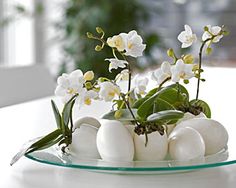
x,y
184,67
75,83
131,44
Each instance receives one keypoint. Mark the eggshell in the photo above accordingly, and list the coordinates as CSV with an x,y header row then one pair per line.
x,y
213,133
84,142
170,128
156,148
188,116
114,142
186,144
130,128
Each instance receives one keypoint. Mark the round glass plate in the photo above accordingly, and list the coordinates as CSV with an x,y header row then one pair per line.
x,y
52,157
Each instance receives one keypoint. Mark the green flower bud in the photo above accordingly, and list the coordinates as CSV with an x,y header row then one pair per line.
x,y
99,30
118,114
225,33
208,51
203,80
188,59
88,85
170,53
102,79
206,28
89,35
98,48
186,81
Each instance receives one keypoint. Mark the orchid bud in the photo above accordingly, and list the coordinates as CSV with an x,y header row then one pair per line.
x,y
170,53
99,30
117,114
188,59
89,76
89,35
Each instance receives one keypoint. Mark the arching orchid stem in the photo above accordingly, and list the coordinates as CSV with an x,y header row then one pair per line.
x,y
200,65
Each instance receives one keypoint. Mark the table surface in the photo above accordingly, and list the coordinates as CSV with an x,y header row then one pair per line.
x,y
28,120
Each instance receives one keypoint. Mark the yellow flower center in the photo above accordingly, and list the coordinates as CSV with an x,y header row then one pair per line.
x,y
130,45
111,94
182,75
71,91
118,43
87,101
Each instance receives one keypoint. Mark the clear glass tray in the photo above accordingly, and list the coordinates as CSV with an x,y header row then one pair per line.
x,y
52,157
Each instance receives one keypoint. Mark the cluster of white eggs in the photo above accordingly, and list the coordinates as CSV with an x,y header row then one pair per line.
x,y
191,137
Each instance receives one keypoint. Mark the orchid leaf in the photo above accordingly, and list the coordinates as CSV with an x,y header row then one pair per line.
x,y
165,116
57,115
125,115
175,95
38,143
46,141
66,114
140,101
160,105
202,106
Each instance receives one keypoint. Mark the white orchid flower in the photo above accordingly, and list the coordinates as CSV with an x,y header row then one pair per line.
x,y
140,85
162,73
181,71
89,95
69,85
123,75
117,41
212,31
134,44
187,37
116,63
108,91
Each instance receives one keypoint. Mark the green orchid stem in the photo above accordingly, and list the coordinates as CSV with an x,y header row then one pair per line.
x,y
131,112
161,84
200,65
130,74
71,121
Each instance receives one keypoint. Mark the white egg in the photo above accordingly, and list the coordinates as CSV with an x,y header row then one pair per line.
x,y
84,142
156,148
186,144
189,115
213,133
130,128
114,142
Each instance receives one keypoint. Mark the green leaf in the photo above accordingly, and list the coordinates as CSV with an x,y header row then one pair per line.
x,y
177,93
66,114
47,141
204,107
56,114
166,116
140,101
170,94
161,105
125,115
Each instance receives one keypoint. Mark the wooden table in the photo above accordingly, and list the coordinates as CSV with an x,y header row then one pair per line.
x,y
25,121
